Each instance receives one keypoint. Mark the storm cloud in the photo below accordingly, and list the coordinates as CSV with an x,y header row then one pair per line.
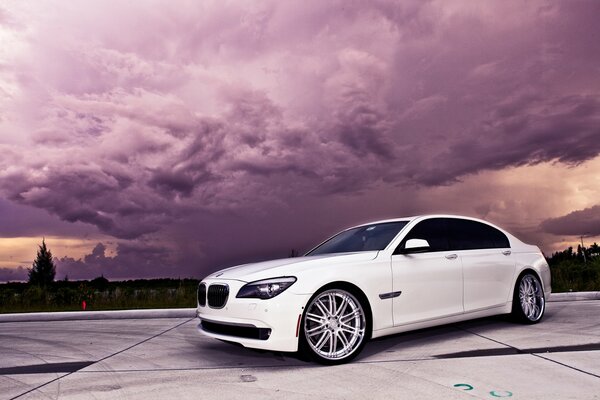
x,y
149,122
584,222
130,260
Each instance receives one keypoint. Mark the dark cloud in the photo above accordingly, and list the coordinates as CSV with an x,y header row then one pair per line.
x,y
20,221
13,274
172,182
526,130
361,127
584,222
132,260
82,193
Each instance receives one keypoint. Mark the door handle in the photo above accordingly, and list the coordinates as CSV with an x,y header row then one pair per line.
x,y
506,252
451,256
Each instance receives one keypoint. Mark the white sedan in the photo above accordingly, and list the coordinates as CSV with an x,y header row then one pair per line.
x,y
373,280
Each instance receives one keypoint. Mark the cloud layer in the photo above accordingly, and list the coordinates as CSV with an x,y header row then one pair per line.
x,y
584,222
152,122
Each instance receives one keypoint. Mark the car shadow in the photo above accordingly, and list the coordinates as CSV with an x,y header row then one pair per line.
x,y
428,343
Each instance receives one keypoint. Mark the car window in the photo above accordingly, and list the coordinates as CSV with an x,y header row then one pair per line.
x,y
433,230
470,235
363,238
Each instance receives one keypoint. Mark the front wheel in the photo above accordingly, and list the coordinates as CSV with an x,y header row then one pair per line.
x,y
334,327
529,303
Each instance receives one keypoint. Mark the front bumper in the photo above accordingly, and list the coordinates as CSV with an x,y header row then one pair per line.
x,y
261,324
244,331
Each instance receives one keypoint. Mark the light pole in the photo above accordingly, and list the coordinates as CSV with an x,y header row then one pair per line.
x,y
583,250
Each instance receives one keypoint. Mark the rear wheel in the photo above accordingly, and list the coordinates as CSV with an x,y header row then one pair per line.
x,y
529,302
334,327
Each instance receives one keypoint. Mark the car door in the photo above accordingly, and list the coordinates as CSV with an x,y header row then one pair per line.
x,y
430,282
488,264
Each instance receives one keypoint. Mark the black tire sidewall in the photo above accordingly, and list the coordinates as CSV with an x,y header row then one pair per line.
x,y
517,310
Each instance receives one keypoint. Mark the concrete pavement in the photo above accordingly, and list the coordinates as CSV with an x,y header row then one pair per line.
x,y
167,358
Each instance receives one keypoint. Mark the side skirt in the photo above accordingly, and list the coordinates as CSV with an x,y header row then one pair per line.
x,y
504,309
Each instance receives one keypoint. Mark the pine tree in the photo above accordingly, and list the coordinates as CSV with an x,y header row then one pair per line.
x,y
43,270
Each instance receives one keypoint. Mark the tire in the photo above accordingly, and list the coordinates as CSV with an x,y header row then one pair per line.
x,y
335,327
529,302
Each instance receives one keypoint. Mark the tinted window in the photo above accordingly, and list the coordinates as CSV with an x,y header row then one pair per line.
x,y
433,230
470,235
364,238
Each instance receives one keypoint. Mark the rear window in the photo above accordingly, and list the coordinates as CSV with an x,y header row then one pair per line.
x,y
470,235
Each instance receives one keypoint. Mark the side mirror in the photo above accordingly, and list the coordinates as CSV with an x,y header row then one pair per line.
x,y
415,246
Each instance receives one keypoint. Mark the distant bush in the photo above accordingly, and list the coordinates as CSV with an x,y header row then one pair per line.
x,y
576,270
99,294
99,283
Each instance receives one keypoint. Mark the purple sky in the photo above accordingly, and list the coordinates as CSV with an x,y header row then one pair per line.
x,y
160,138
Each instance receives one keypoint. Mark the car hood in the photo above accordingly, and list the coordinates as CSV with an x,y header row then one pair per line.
x,y
289,266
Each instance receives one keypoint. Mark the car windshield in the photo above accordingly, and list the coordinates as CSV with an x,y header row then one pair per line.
x,y
364,238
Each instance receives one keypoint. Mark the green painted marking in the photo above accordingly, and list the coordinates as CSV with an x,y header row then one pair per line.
x,y
464,386
501,393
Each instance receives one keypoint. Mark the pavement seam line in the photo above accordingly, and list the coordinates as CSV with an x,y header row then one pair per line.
x,y
519,351
143,341
242,367
102,359
490,339
565,365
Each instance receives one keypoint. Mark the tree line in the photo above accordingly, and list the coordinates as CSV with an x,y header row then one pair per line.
x,y
576,269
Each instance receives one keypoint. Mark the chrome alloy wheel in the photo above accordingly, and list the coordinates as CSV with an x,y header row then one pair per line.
x,y
334,324
531,297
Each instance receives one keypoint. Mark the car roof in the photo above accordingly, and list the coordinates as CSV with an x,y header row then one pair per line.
x,y
409,219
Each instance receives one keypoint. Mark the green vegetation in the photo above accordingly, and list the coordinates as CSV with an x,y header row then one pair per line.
x,y
99,294
576,270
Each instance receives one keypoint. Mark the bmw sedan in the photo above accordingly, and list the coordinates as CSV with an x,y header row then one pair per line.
x,y
373,280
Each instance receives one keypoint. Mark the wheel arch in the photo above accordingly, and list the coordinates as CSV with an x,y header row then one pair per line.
x,y
355,290
526,270
522,272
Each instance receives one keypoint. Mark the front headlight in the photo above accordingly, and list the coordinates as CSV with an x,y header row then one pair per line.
x,y
266,288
